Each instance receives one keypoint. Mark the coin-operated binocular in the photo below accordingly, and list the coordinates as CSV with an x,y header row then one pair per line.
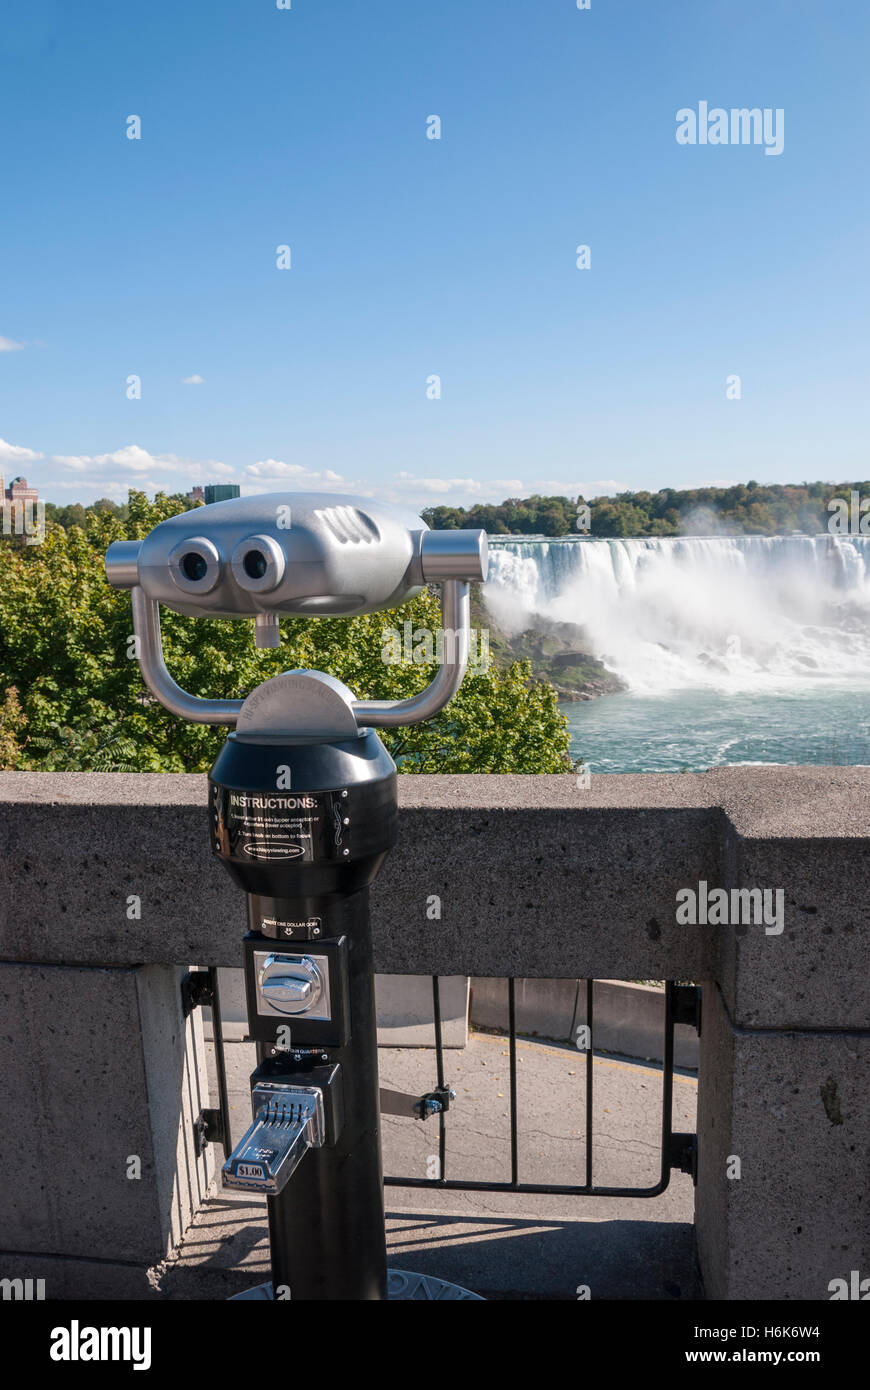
x,y
303,810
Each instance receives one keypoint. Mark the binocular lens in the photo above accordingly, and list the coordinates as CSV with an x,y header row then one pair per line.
x,y
194,566
255,564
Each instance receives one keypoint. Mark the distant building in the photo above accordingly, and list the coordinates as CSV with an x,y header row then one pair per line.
x,y
17,491
214,492
221,492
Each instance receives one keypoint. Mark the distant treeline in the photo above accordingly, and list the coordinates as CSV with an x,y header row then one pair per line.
x,y
746,508
77,515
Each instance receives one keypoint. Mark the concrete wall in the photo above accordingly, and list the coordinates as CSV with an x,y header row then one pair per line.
x,y
629,1018
102,1082
538,879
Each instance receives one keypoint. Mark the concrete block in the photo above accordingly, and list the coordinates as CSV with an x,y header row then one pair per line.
x,y
792,1108
628,1018
544,1008
99,1069
528,870
536,876
814,974
542,890
406,1013
234,1006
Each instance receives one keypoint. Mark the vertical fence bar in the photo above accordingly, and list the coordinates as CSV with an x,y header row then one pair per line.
x,y
512,1044
217,1033
439,1068
589,1082
668,1080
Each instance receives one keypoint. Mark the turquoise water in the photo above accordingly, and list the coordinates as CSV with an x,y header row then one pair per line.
x,y
701,728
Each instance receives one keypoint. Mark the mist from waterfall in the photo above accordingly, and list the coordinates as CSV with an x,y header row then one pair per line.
x,y
742,613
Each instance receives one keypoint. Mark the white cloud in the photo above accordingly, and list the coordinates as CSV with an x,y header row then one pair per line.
x,y
130,459
440,486
498,489
108,474
495,489
465,492
134,459
600,487
9,345
275,470
15,453
104,488
195,380
76,463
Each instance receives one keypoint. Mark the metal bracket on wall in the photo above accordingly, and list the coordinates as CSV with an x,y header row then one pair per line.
x,y
197,991
208,1128
683,1154
412,1107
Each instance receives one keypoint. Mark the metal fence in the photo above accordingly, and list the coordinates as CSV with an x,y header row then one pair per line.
x,y
678,1149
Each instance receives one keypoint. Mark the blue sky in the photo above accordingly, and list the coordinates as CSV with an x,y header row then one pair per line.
x,y
414,257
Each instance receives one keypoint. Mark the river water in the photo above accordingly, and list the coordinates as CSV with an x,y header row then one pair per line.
x,y
697,729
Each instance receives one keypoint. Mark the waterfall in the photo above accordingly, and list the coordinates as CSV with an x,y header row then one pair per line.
x,y
731,613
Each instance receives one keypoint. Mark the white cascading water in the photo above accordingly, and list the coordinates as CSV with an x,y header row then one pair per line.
x,y
743,613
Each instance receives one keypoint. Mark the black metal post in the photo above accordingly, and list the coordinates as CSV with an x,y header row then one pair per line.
x,y
306,858
326,1228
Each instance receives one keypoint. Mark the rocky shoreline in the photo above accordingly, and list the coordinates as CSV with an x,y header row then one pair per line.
x,y
558,653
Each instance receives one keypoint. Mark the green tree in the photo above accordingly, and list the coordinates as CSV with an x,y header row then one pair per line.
x,y
751,508
65,647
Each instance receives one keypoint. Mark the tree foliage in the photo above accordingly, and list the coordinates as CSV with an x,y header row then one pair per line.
x,y
743,508
72,697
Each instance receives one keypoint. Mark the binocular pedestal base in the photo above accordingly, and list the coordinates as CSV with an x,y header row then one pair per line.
x,y
400,1285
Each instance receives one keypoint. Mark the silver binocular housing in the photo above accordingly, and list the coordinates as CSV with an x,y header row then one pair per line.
x,y
306,554
297,554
